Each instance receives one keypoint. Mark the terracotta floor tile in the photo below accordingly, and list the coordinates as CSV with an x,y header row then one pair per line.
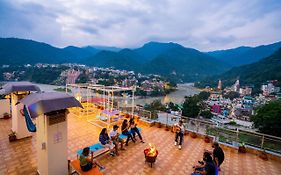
x,y
170,160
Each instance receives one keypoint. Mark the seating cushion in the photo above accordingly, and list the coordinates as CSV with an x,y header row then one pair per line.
x,y
96,147
75,164
121,136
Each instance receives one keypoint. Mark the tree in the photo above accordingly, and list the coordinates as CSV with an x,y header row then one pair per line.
x,y
206,114
191,107
268,118
203,95
154,107
231,95
173,106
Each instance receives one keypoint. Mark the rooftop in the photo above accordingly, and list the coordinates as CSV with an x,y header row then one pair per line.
x,y
20,157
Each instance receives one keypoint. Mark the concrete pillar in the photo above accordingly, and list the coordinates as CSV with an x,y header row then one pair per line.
x,y
52,144
18,120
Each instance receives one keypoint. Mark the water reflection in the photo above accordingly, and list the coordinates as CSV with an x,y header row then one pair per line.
x,y
176,97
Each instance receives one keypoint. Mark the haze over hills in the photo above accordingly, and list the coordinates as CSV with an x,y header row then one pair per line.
x,y
168,59
107,48
245,55
268,68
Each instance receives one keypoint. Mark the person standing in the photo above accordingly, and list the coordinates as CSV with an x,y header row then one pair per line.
x,y
179,133
218,154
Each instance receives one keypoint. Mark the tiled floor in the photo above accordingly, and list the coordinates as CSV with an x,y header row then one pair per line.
x,y
20,157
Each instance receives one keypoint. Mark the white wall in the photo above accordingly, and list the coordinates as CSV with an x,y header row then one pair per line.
x,y
18,121
4,107
53,159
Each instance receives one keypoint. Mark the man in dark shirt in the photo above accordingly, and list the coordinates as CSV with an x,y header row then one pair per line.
x,y
218,154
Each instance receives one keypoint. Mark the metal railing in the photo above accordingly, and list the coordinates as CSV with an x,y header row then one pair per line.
x,y
233,137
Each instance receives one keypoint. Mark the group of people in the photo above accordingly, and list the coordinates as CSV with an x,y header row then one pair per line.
x,y
111,141
211,160
211,163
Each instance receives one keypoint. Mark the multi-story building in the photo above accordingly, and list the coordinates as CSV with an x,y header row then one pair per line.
x,y
246,90
269,88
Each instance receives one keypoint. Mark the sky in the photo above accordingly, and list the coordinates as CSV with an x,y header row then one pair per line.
x,y
202,24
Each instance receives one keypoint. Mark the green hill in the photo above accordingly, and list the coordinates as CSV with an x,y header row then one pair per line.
x,y
21,51
268,68
124,59
186,64
245,55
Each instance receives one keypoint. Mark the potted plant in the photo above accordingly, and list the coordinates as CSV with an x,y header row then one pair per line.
x,y
207,139
172,129
263,155
193,135
12,136
6,115
242,148
158,124
185,132
167,128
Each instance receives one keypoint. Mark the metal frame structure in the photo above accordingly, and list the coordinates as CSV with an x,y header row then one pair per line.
x,y
108,103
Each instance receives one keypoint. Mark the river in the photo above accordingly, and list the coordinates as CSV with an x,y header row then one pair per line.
x,y
176,97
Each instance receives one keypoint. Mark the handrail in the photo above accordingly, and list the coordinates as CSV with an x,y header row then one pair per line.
x,y
259,140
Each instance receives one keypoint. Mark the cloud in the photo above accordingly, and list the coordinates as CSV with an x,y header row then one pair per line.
x,y
201,24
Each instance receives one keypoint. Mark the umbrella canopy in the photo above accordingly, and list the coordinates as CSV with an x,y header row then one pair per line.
x,y
18,87
40,103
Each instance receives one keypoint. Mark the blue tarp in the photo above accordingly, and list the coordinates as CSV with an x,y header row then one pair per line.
x,y
29,124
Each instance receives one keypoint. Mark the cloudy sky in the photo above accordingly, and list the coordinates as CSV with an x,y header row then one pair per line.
x,y
201,24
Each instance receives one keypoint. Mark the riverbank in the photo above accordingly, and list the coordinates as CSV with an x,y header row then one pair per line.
x,y
177,96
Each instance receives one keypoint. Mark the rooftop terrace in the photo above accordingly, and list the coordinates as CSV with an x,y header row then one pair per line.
x,y
20,157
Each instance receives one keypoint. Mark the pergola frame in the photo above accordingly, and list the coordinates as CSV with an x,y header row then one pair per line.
x,y
108,94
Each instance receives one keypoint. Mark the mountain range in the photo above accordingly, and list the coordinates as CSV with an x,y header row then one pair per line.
x,y
268,68
168,59
245,55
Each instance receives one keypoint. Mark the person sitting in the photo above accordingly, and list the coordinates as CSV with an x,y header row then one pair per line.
x,y
134,129
125,128
105,140
179,133
218,154
87,162
207,167
114,135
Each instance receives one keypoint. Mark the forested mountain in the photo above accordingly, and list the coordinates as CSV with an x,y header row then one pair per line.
x,y
268,68
80,53
245,55
124,59
168,59
185,63
21,51
151,50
